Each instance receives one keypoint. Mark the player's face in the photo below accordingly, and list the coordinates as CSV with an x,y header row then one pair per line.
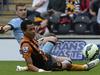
x,y
30,30
21,11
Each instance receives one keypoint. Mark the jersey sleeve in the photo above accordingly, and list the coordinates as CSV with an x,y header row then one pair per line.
x,y
15,22
26,50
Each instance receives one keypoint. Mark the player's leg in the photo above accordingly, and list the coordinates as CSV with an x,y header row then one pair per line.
x,y
66,64
48,43
92,64
61,59
83,67
61,62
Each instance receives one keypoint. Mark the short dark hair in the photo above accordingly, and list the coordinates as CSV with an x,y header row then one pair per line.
x,y
25,23
20,4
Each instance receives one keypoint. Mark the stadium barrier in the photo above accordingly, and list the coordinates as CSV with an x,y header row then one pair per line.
x,y
66,46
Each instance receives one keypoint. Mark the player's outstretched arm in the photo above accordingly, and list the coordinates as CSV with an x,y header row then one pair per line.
x,y
4,28
33,68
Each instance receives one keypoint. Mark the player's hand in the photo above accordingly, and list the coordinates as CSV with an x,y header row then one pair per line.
x,y
1,28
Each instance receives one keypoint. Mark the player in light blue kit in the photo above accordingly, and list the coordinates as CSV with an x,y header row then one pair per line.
x,y
22,14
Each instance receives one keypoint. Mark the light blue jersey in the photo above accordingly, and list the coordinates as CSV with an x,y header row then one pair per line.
x,y
16,24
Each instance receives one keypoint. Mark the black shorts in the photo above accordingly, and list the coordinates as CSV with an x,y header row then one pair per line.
x,y
50,65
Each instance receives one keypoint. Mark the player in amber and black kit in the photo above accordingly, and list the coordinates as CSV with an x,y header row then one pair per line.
x,y
38,61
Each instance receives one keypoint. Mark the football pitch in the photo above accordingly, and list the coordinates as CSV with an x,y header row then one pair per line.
x,y
9,68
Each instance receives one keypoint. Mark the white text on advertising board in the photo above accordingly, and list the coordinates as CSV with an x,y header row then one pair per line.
x,y
69,48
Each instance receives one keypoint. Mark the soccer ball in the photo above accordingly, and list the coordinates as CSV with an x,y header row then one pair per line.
x,y
90,51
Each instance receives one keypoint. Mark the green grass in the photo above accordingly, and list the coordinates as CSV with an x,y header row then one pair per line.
x,y
8,68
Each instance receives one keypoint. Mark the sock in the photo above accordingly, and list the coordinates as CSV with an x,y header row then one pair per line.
x,y
75,67
48,47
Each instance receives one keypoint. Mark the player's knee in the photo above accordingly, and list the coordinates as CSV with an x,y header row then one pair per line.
x,y
53,39
50,39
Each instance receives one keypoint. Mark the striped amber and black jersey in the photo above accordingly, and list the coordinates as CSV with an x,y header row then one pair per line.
x,y
30,48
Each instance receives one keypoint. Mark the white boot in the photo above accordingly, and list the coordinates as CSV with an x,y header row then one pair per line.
x,y
92,64
20,68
